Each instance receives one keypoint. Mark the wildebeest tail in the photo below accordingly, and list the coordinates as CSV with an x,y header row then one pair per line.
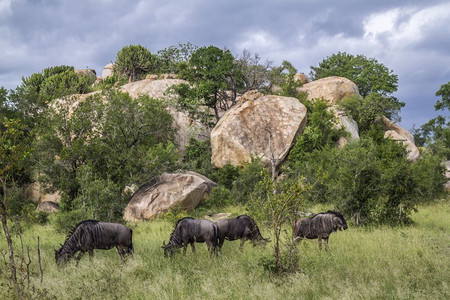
x,y
216,237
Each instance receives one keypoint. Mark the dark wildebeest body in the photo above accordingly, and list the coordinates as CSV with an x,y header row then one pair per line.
x,y
189,231
242,227
319,227
90,234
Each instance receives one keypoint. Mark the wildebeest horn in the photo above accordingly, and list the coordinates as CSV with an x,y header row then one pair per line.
x,y
164,242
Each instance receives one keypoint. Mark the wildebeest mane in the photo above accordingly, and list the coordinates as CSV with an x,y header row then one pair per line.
x,y
176,227
72,230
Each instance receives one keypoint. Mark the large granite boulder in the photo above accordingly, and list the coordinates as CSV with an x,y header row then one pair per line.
x,y
397,133
48,207
167,191
332,89
259,126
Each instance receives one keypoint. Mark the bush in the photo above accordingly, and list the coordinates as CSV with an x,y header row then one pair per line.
x,y
65,221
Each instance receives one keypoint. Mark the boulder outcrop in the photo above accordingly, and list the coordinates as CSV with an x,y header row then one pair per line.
x,y
108,71
348,124
332,89
397,133
167,191
259,126
48,207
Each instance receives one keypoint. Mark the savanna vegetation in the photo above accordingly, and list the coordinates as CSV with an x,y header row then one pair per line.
x,y
397,244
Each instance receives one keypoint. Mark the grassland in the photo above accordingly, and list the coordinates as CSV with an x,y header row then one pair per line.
x,y
365,263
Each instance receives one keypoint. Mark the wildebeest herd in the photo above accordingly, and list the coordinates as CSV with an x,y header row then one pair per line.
x,y
90,234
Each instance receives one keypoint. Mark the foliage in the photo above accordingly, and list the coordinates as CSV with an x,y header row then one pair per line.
x,y
65,221
436,132
35,92
366,110
371,181
219,197
255,76
320,132
119,140
172,59
210,72
277,201
133,61
244,185
282,81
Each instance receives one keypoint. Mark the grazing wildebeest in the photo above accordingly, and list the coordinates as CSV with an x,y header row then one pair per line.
x,y
319,226
242,227
188,231
89,235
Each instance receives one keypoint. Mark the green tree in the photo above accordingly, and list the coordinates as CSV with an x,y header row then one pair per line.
x,y
210,72
436,132
14,148
133,61
277,201
281,80
171,59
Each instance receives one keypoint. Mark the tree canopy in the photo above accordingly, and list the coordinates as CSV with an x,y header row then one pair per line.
x,y
133,61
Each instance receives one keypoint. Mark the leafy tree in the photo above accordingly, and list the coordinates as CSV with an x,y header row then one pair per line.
x,y
282,80
133,61
14,148
436,132
172,59
210,71
255,76
277,202
320,132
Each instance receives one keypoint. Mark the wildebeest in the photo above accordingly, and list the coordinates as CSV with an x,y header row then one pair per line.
x,y
242,227
319,227
89,235
189,231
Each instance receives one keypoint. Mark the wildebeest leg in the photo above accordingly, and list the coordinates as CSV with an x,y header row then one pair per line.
x,y
193,247
320,242
80,255
220,244
185,248
326,243
241,247
121,250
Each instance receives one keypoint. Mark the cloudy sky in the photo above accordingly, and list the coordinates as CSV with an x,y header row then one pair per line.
x,y
410,37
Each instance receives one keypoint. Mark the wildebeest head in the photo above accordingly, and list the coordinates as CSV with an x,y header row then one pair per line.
x,y
169,249
257,238
339,220
62,257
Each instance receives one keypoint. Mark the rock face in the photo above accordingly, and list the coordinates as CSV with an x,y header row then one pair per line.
x,y
48,207
108,71
348,124
332,89
185,125
257,126
167,191
401,135
35,193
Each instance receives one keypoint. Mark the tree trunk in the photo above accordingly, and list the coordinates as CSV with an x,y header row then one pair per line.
x,y
3,216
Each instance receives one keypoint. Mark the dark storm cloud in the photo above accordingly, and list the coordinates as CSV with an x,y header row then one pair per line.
x,y
408,36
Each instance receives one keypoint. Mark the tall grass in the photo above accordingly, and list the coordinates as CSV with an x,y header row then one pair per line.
x,y
364,263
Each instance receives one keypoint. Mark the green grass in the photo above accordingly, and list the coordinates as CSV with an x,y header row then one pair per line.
x,y
365,263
